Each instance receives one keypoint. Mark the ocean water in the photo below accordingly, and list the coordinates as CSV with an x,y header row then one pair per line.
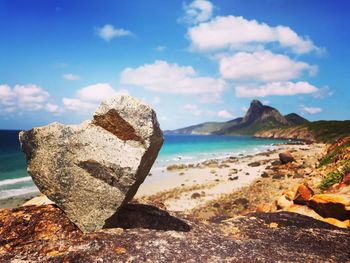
x,y
14,179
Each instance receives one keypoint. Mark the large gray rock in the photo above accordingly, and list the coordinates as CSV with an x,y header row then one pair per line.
x,y
92,169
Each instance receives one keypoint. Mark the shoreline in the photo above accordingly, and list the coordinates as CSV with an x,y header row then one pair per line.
x,y
16,201
218,154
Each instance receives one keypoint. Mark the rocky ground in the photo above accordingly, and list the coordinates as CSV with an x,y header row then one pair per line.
x,y
234,186
143,233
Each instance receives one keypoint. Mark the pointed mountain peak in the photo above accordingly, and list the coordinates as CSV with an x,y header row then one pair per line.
x,y
259,112
256,103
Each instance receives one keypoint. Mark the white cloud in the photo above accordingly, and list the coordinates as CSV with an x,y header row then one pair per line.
x,y
197,11
234,32
98,92
310,110
160,48
53,108
225,114
108,32
89,97
262,66
28,97
6,95
70,76
30,94
275,89
172,78
78,105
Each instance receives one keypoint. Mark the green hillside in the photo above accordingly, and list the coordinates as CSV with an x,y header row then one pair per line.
x,y
327,131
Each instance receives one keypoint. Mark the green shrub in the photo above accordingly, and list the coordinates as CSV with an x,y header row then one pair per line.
x,y
328,158
331,157
330,179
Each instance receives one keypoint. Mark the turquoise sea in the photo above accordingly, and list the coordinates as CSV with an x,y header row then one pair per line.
x,y
14,179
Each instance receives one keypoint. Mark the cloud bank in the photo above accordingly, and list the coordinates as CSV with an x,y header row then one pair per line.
x,y
236,32
165,77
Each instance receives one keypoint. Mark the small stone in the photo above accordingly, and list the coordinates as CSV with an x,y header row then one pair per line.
x,y
242,201
233,178
195,195
264,175
278,176
303,194
275,163
254,164
175,167
295,176
286,157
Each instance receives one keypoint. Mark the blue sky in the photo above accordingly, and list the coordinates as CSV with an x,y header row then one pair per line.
x,y
192,61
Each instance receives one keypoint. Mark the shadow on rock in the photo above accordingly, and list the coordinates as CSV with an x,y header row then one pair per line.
x,y
145,216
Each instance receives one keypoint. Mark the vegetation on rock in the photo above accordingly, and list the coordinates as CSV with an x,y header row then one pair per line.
x,y
331,179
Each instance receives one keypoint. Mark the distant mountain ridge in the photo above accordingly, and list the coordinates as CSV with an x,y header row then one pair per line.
x,y
258,117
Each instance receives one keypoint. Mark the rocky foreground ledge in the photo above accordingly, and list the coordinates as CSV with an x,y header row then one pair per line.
x,y
144,233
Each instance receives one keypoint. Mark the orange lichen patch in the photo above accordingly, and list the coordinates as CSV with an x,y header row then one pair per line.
x,y
53,253
273,225
21,225
120,250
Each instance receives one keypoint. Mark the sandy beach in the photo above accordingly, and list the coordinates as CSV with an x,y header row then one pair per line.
x,y
184,187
